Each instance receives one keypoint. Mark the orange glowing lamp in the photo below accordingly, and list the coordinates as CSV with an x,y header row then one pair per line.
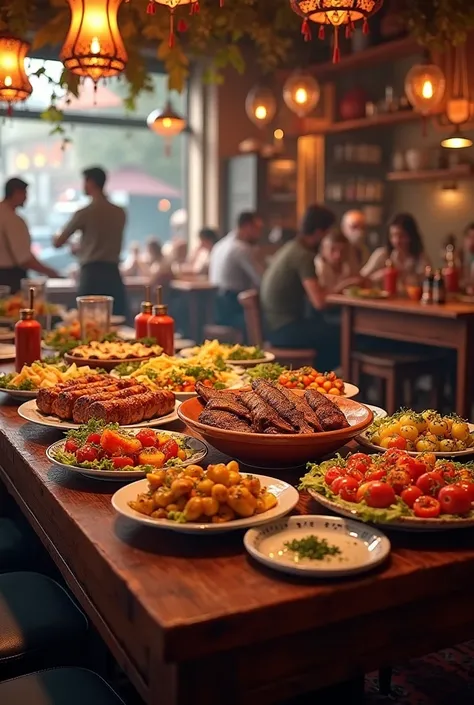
x,y
14,83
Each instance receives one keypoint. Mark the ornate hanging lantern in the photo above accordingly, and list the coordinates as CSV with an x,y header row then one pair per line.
x,y
14,83
301,93
168,123
425,85
335,13
94,46
260,105
458,105
172,5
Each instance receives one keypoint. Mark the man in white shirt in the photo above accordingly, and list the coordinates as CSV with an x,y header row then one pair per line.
x,y
16,257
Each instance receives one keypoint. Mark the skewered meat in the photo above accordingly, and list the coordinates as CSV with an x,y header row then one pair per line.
x,y
224,420
263,415
81,410
205,394
230,404
302,406
328,413
282,405
64,403
132,410
47,397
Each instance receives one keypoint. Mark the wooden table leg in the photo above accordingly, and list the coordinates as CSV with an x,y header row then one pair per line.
x,y
346,341
465,352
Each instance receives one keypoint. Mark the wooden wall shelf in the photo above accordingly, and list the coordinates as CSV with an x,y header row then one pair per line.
x,y
389,51
382,120
432,175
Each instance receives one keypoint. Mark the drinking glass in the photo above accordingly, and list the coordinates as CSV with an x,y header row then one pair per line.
x,y
94,316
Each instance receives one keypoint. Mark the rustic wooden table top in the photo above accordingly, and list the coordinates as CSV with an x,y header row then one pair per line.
x,y
452,309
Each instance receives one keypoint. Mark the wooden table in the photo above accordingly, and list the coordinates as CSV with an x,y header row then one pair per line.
x,y
186,615
199,296
448,326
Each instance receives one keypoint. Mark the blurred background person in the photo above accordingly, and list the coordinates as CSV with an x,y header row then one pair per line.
x,y
176,256
354,229
178,230
335,269
198,260
468,258
133,265
157,266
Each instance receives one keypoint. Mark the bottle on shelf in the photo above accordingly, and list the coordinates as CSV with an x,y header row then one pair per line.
x,y
27,336
427,289
161,326
390,278
450,271
439,288
142,318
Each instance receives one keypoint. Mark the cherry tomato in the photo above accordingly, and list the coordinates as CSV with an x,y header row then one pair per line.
x,y
398,442
122,461
86,454
426,507
332,473
170,449
147,437
375,473
348,489
410,494
467,486
430,482
454,500
359,461
399,480
376,494
94,439
336,485
71,445
447,469
413,466
355,473
392,455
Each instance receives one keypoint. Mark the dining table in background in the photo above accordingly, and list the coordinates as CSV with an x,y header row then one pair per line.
x,y
195,618
198,296
449,325
64,291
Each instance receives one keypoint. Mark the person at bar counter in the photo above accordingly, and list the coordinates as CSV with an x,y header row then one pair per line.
x,y
290,283
335,269
233,268
354,229
16,257
404,247
101,225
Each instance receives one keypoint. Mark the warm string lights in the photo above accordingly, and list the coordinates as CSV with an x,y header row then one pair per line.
x,y
14,83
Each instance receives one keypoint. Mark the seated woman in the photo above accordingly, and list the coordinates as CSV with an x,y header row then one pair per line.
x,y
404,247
335,269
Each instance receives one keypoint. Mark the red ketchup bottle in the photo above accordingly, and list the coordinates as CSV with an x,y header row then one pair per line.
x,y
27,336
141,320
161,326
451,272
390,278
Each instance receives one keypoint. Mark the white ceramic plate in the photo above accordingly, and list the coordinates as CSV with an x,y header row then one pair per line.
x,y
29,412
7,352
377,411
286,494
199,448
7,335
19,394
362,547
351,390
401,523
364,441
268,357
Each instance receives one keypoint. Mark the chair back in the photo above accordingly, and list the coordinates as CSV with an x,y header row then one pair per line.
x,y
225,334
250,302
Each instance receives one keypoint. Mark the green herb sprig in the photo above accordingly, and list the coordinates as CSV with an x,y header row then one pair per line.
x,y
313,548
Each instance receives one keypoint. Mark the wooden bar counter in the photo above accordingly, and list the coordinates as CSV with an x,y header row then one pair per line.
x,y
193,618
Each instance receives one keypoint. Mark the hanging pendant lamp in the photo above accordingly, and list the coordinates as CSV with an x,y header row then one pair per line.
x,y
167,123
458,105
301,93
260,105
14,83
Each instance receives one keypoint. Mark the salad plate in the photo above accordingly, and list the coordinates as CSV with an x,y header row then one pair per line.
x,y
267,357
377,411
364,440
317,546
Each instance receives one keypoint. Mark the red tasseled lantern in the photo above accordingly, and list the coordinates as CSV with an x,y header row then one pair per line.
x,y
306,30
322,33
151,8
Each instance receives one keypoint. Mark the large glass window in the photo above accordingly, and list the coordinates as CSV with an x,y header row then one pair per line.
x,y
142,177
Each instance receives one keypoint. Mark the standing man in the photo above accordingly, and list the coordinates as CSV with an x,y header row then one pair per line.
x,y
354,228
16,257
233,268
101,224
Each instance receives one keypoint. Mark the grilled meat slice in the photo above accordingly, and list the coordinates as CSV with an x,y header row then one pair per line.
x,y
283,406
134,409
302,406
231,404
263,415
64,403
46,401
205,394
224,420
81,408
329,414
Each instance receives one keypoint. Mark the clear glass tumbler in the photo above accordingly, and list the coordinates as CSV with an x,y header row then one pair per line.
x,y
94,316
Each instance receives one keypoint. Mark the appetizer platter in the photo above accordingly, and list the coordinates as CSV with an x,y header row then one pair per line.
x,y
317,546
10,308
303,378
39,375
100,397
195,500
109,354
107,452
241,355
270,423
445,436
421,493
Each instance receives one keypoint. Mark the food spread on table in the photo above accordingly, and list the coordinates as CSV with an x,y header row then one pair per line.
x,y
114,350
302,378
106,398
212,350
428,431
10,307
219,494
42,375
384,488
270,408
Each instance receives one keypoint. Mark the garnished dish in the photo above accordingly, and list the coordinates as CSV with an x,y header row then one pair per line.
x,y
303,378
40,375
213,351
195,499
63,338
100,397
10,308
428,431
109,452
114,350
317,546
361,293
422,492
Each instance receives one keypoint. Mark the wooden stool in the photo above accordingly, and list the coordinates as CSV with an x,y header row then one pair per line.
x,y
295,357
399,373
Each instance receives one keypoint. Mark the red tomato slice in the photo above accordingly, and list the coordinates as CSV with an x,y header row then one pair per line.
x,y
94,438
430,483
426,507
358,461
454,500
122,461
71,445
411,465
399,480
410,494
355,473
86,454
332,473
170,449
147,437
336,485
375,473
348,489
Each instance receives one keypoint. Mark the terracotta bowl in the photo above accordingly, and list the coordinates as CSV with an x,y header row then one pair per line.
x,y
102,364
280,449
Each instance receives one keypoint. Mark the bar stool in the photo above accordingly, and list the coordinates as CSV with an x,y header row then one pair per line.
x,y
295,357
396,375
40,625
58,686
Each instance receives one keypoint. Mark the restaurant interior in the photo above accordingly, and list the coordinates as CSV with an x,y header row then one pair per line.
x,y
236,344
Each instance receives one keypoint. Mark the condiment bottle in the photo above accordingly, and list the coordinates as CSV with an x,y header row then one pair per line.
x,y
451,272
141,319
439,288
390,278
427,294
27,336
161,326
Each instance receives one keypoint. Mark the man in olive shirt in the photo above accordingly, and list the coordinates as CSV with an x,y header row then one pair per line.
x,y
290,283
101,224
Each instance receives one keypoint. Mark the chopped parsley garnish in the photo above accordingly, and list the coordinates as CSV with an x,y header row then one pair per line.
x,y
267,370
313,548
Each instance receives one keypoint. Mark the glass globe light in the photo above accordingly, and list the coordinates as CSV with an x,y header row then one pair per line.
x,y
260,105
425,85
301,93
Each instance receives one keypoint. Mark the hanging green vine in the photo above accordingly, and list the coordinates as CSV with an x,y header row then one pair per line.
x,y
436,23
